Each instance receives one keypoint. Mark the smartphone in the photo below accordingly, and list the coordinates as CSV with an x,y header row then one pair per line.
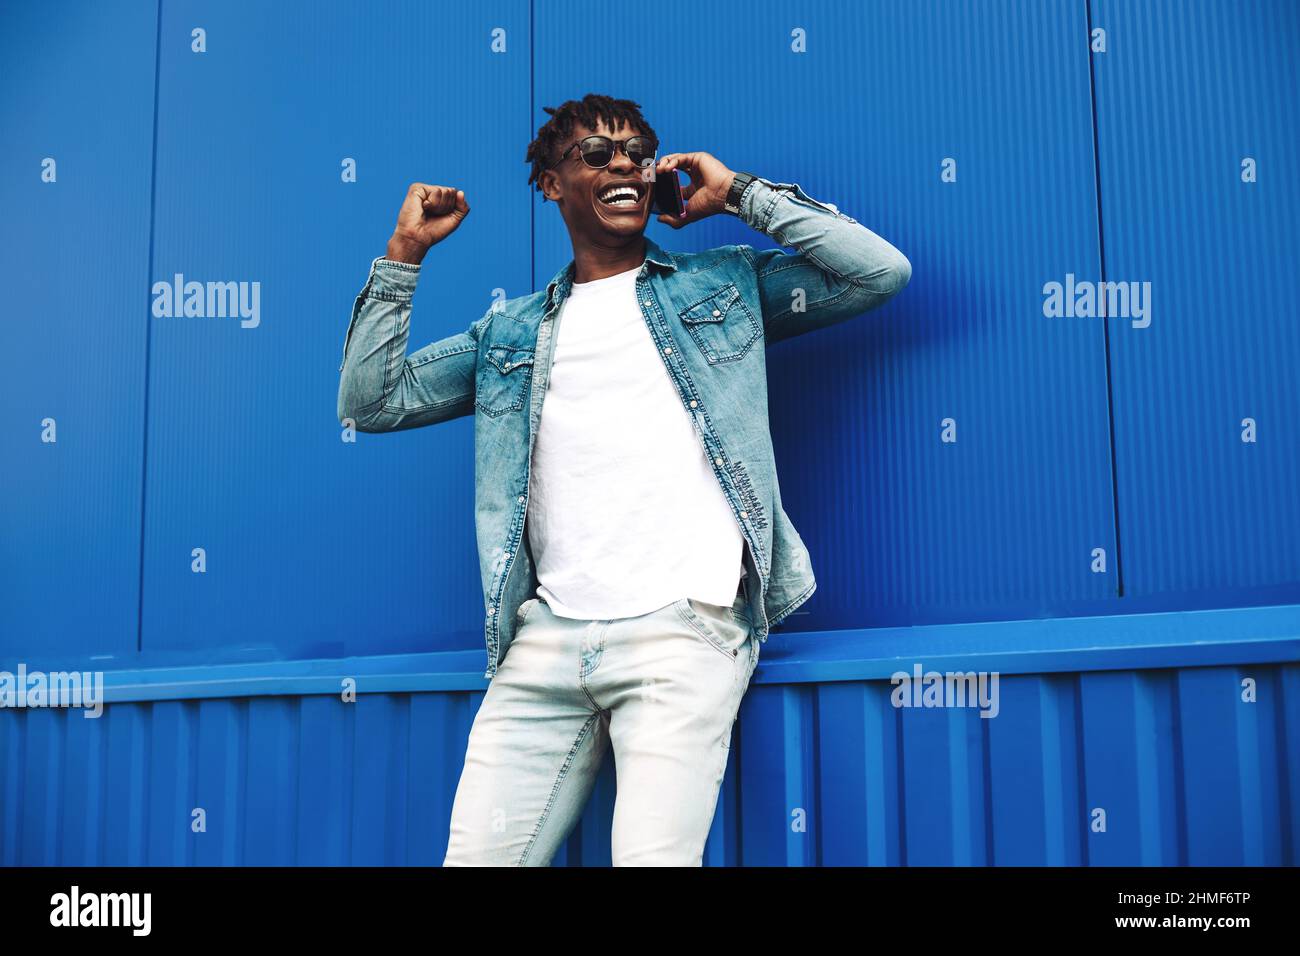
x,y
668,195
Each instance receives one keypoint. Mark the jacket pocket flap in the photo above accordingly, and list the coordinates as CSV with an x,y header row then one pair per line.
x,y
507,357
715,307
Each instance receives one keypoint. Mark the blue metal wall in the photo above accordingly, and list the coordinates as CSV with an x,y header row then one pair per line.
x,y
1186,92
901,527
74,265
333,558
1139,717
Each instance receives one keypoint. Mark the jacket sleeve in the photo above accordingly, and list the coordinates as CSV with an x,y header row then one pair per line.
x,y
381,388
839,270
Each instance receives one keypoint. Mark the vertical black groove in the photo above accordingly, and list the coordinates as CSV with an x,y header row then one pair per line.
x,y
1105,324
986,768
814,769
148,329
900,785
1278,692
737,756
296,721
1081,778
1182,851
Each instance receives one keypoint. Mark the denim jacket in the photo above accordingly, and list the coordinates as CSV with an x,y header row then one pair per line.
x,y
711,314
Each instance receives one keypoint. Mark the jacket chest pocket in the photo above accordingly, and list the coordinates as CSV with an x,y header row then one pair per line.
x,y
503,378
722,325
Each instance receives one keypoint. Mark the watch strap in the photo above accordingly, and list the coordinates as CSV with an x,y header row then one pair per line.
x,y
738,186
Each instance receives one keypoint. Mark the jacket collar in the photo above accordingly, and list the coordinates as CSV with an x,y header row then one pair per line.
x,y
558,288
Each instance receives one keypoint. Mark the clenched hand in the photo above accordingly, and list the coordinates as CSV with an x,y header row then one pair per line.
x,y
429,215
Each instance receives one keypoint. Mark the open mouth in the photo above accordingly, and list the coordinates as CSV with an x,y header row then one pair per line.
x,y
626,195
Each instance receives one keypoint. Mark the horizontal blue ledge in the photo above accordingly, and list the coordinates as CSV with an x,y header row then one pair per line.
x,y
1229,636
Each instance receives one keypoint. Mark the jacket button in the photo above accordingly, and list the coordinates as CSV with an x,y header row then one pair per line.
x,y
491,611
647,303
717,461
693,403
716,312
744,514
521,499
668,350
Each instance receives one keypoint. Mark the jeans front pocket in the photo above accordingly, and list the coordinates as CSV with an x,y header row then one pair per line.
x,y
503,378
715,625
524,610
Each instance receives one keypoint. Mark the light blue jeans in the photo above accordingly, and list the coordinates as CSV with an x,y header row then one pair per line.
x,y
663,688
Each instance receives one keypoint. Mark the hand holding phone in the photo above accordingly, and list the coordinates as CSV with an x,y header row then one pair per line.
x,y
704,196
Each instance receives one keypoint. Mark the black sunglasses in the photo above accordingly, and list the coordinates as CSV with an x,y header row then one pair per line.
x,y
598,151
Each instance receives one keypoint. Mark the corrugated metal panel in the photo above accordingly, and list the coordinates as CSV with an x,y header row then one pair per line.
x,y
74,254
1185,92
317,547
279,780
1139,717
826,772
901,527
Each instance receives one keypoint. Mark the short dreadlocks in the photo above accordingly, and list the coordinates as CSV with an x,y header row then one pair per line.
x,y
557,132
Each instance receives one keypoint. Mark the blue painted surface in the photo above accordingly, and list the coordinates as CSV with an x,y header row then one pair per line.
x,y
1109,714
74,263
315,546
1185,93
329,560
902,528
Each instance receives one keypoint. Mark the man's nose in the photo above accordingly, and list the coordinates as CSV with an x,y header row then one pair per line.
x,y
620,161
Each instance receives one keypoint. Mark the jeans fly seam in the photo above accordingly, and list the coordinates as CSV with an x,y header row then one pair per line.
x,y
584,673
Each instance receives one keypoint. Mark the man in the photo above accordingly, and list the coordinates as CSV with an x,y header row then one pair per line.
x,y
633,548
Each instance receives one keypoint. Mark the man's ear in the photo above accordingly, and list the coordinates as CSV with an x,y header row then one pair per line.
x,y
550,181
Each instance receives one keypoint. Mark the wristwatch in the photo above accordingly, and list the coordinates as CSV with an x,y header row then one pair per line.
x,y
732,203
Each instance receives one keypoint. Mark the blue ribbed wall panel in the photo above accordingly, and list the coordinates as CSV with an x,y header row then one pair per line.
x,y
903,528
1183,770
316,546
1186,90
78,89
325,556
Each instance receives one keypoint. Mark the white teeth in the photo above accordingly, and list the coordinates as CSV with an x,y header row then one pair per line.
x,y
619,196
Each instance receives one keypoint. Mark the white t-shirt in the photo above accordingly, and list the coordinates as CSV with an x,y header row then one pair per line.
x,y
625,515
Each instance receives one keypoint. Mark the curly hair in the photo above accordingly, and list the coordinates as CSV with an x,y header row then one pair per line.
x,y
553,136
